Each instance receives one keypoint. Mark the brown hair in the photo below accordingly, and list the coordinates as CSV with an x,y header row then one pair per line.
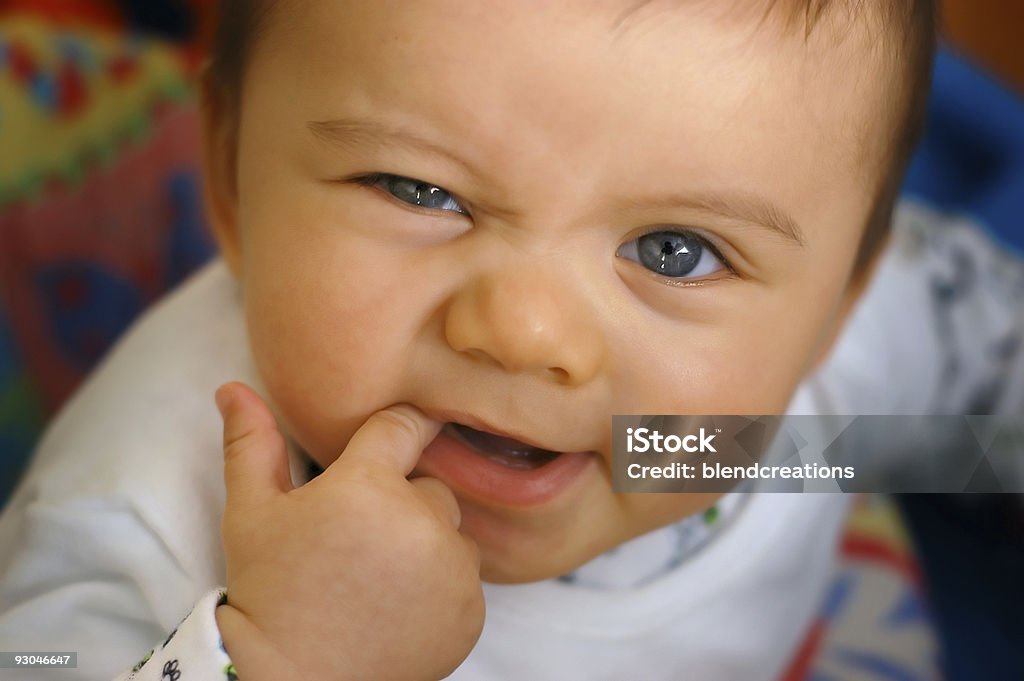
x,y
909,32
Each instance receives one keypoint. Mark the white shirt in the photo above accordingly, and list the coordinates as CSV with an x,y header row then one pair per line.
x,y
113,535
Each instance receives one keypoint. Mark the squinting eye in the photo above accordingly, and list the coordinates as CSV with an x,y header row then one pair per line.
x,y
679,255
414,192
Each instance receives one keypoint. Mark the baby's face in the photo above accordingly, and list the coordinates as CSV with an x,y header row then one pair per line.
x,y
525,217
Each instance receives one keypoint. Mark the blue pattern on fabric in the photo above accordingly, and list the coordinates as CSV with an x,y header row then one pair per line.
x,y
971,158
839,595
88,307
880,668
910,610
189,245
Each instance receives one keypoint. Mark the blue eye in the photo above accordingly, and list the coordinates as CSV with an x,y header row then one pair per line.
x,y
414,192
674,254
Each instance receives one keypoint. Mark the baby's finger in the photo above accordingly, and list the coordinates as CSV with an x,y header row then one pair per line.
x,y
439,497
255,456
393,437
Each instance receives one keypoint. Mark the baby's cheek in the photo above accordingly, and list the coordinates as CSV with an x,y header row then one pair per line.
x,y
328,361
724,376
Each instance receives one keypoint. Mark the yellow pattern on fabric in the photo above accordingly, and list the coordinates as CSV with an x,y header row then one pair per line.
x,y
39,142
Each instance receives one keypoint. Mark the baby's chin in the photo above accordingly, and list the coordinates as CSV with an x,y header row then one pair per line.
x,y
521,557
502,570
516,551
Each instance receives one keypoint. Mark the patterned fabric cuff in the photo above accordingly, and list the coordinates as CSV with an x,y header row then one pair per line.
x,y
192,652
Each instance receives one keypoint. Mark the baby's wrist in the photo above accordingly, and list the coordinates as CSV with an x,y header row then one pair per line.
x,y
253,655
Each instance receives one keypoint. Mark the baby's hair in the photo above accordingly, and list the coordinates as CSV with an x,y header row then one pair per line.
x,y
905,29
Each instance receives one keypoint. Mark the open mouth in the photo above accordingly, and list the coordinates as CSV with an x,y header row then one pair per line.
x,y
500,470
505,451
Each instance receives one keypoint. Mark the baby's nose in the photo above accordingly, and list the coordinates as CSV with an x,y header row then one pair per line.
x,y
527,321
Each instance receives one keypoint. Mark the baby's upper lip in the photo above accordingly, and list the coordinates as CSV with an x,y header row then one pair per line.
x,y
467,419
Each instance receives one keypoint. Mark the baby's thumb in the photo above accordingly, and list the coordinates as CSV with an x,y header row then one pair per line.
x,y
255,456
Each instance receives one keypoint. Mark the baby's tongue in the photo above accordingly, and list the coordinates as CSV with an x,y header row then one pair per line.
x,y
504,450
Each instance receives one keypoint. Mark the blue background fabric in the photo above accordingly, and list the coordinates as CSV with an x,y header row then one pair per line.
x,y
971,158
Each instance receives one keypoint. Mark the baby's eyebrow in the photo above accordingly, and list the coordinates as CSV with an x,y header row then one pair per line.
x,y
349,132
740,205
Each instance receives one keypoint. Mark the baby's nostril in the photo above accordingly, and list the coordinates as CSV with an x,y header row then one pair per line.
x,y
559,374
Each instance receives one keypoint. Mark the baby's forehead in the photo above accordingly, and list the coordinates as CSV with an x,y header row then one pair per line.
x,y
855,31
802,15
853,27
789,46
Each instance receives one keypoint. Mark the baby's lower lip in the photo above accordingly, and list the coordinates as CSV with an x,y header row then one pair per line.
x,y
496,470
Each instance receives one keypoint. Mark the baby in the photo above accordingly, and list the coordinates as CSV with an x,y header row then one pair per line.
x,y
457,237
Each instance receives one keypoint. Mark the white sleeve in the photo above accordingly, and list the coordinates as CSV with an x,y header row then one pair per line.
x,y
87,576
192,652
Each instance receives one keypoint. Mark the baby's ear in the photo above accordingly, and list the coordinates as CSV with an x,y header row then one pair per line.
x,y
219,120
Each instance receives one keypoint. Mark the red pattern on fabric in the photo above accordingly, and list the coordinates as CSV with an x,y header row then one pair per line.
x,y
804,658
72,292
20,62
99,14
122,68
858,547
72,93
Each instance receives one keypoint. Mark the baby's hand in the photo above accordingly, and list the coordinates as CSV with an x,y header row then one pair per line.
x,y
359,574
